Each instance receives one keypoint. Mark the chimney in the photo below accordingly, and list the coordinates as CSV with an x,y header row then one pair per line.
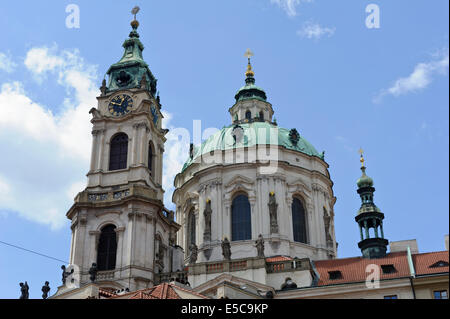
x,y
402,245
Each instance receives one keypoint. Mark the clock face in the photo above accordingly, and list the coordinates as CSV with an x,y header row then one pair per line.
x,y
120,105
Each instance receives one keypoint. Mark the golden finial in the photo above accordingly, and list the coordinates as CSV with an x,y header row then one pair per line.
x,y
249,72
135,23
361,151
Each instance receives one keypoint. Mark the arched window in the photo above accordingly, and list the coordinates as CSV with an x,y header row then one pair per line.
x,y
248,115
191,231
107,248
119,152
150,157
299,221
261,116
241,224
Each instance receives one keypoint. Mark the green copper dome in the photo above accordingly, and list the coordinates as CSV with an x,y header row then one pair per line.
x,y
364,180
256,133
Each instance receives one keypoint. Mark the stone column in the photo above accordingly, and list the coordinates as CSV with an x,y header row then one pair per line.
x,y
119,238
375,228
253,218
134,145
367,229
100,164
93,249
317,228
290,227
94,148
143,147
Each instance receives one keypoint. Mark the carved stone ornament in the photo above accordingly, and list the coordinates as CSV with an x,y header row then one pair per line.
x,y
273,207
207,215
294,136
144,82
45,290
66,274
24,290
93,272
260,246
226,249
238,134
327,223
194,254
103,88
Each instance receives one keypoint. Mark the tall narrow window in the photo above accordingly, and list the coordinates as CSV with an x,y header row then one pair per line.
x,y
261,116
191,229
119,152
241,219
107,248
299,221
150,157
248,115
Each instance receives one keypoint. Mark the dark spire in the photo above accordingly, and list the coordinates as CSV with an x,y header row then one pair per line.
x,y
369,216
129,71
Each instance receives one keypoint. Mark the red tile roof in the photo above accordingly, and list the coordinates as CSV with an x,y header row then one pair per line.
x,y
423,263
354,269
162,291
277,259
106,292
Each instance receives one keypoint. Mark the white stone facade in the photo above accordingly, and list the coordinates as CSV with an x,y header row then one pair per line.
x,y
221,175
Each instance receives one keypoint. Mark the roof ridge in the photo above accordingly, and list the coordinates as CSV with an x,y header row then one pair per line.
x,y
174,287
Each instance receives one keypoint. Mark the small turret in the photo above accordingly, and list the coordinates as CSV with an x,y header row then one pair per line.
x,y
369,216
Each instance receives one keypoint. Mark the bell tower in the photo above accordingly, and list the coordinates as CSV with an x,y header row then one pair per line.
x,y
119,222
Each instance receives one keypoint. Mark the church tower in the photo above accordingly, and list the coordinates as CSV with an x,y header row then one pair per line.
x,y
369,216
120,227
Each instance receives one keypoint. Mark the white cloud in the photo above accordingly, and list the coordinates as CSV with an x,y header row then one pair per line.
x,y
6,63
47,153
421,77
4,189
175,155
289,6
311,30
40,60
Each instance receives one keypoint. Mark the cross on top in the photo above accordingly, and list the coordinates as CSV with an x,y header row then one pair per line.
x,y
135,11
248,54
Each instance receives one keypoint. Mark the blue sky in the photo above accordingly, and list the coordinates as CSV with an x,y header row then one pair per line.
x,y
341,84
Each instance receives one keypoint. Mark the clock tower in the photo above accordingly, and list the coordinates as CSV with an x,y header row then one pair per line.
x,y
121,230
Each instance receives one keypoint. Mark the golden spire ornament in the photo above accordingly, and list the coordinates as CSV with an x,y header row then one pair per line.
x,y
361,151
249,72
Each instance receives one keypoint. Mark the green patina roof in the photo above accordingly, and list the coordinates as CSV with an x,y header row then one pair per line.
x,y
256,133
250,91
129,71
